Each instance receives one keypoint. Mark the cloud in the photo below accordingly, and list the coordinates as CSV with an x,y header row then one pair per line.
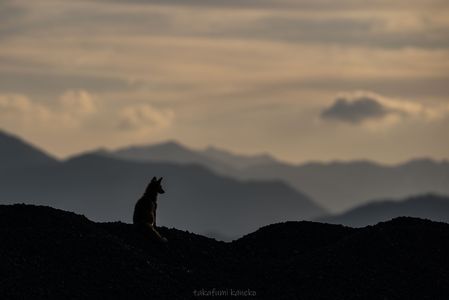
x,y
380,31
356,110
217,75
78,102
69,111
366,107
20,109
328,22
143,117
42,80
74,109
283,4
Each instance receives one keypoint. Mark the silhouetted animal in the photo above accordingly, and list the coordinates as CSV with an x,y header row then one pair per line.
x,y
145,210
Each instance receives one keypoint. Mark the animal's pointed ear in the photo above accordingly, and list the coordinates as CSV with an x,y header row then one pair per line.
x,y
154,179
160,179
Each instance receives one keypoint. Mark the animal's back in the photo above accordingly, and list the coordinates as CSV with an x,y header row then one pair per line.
x,y
144,211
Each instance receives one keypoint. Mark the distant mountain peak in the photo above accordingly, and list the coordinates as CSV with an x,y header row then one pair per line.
x,y
429,206
214,158
16,153
214,149
169,145
238,161
6,136
422,162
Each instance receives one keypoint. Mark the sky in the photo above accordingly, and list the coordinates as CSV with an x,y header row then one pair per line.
x,y
303,80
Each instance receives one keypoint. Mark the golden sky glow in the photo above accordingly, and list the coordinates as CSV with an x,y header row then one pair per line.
x,y
249,76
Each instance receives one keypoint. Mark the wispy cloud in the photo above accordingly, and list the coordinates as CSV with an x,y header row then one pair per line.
x,y
144,117
70,110
78,102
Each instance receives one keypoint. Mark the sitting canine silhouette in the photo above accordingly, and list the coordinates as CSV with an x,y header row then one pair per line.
x,y
144,218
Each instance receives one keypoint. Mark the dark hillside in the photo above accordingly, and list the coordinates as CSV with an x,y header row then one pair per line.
x,y
52,254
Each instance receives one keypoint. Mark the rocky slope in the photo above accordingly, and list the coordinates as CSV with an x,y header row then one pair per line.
x,y
52,254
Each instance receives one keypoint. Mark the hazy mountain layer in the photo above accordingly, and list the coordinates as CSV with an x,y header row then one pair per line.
x,y
106,189
15,153
337,186
342,185
431,207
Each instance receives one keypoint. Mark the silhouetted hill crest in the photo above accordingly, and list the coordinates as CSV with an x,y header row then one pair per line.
x,y
50,254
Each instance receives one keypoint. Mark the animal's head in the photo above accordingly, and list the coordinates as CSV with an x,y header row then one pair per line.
x,y
155,186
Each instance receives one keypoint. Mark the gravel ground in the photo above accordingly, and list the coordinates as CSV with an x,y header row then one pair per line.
x,y
47,253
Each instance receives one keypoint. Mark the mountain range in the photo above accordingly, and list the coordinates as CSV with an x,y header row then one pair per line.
x,y
337,186
105,188
16,153
212,191
214,158
432,207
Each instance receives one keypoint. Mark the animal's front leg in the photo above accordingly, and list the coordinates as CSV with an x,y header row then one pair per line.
x,y
154,220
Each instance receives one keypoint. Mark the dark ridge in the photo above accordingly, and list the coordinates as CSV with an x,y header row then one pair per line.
x,y
287,239
53,254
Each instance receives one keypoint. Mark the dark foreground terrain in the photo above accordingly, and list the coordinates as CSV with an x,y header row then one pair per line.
x,y
52,254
